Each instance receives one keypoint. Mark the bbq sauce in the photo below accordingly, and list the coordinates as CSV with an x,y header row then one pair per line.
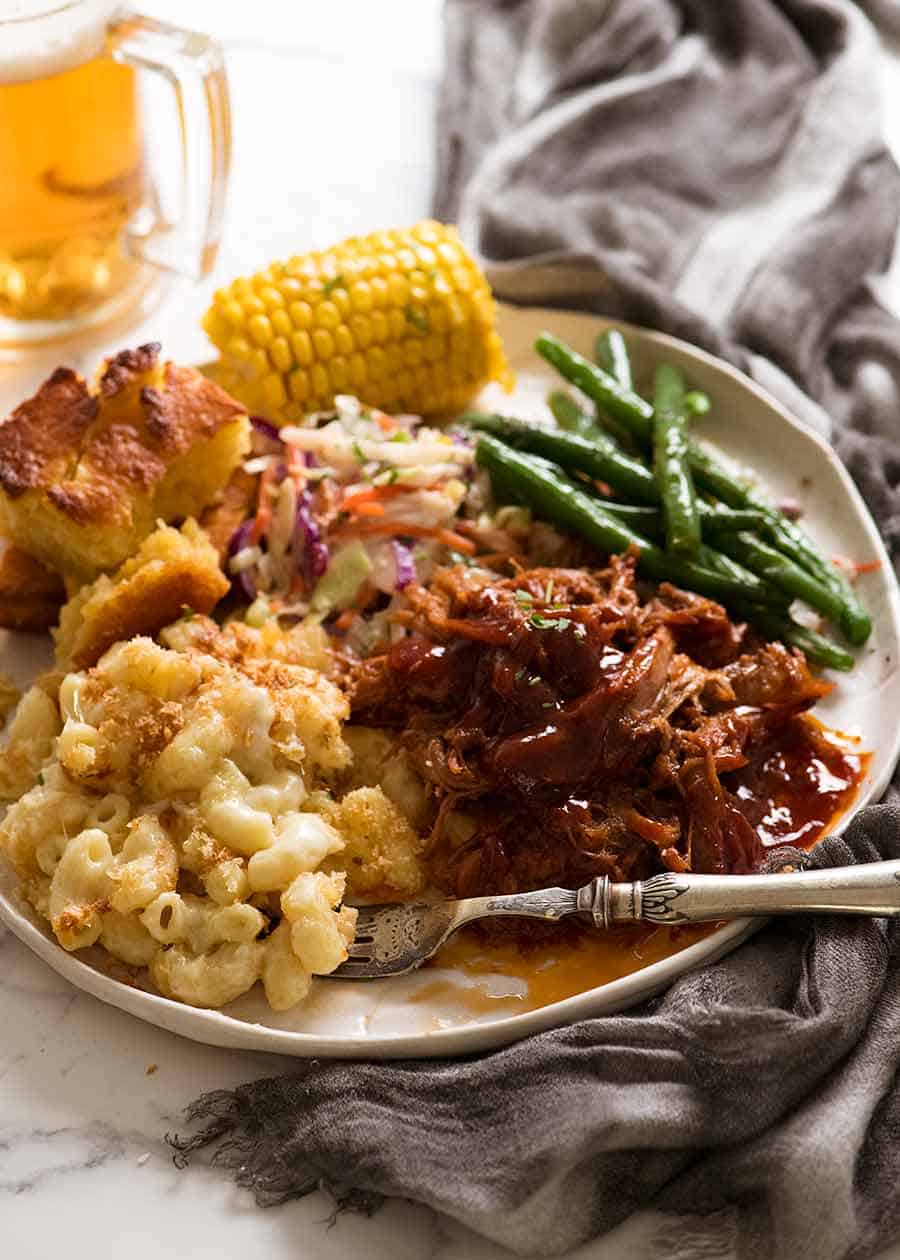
x,y
793,792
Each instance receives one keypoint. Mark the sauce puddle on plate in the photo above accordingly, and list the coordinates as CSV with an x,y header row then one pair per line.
x,y
548,971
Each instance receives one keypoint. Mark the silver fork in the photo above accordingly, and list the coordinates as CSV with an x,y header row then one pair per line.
x,y
393,939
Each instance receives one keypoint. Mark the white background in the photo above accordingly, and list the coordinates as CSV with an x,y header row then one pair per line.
x,y
333,108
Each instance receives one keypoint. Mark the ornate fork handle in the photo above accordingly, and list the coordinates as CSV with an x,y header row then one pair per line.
x,y
868,889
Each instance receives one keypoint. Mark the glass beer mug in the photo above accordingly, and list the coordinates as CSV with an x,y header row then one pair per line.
x,y
82,233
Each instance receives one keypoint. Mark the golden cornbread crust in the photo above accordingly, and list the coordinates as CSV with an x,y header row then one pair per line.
x,y
117,462
39,442
173,570
119,371
30,595
85,474
189,407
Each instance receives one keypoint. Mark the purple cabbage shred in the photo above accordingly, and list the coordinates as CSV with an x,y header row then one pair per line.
x,y
246,579
310,548
266,428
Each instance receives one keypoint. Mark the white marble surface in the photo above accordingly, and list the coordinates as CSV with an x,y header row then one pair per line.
x,y
333,116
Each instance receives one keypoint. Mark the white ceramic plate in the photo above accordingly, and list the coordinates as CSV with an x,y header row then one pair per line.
x,y
427,1014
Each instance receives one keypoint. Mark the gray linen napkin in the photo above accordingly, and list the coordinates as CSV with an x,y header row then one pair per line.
x,y
714,170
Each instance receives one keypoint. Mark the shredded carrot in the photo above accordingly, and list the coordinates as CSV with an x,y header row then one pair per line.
x,y
296,466
377,493
387,525
868,566
386,423
368,509
263,518
346,619
371,494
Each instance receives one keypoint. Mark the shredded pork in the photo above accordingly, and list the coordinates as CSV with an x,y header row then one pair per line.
x,y
569,727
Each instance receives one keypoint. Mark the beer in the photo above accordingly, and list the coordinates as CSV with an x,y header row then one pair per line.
x,y
71,163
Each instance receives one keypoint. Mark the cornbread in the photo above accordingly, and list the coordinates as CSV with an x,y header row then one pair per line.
x,y
30,595
85,472
172,571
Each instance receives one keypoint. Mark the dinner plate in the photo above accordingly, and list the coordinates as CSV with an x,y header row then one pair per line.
x,y
446,1012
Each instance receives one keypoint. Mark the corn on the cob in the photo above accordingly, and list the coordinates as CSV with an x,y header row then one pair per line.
x,y
403,319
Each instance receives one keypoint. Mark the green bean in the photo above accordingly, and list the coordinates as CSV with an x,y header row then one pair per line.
x,y
696,402
717,519
670,463
714,520
622,470
553,496
779,571
611,353
780,625
599,456
569,416
619,401
643,520
710,476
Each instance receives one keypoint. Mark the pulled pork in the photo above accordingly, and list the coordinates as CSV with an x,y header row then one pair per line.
x,y
570,728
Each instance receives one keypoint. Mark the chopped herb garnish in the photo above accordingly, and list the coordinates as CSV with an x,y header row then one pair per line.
x,y
520,673
336,282
393,476
401,436
358,452
417,318
40,779
523,598
186,613
548,593
539,622
549,704
457,557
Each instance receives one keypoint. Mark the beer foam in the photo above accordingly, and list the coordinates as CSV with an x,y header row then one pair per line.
x,y
39,38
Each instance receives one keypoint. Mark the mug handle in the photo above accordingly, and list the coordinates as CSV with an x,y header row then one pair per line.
x,y
194,67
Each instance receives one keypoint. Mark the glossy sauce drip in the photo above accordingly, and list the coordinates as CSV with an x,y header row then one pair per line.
x,y
553,970
796,792
793,794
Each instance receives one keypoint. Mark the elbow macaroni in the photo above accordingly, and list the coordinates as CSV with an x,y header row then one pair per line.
x,y
176,819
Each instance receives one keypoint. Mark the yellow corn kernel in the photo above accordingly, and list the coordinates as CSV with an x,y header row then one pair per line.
x,y
323,344
379,328
301,344
233,312
327,315
280,354
361,296
298,382
343,340
358,374
380,292
273,392
403,318
281,323
260,330
361,328
339,373
271,298
301,314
